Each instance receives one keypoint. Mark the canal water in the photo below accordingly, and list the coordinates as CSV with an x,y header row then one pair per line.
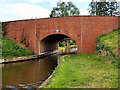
x,y
27,74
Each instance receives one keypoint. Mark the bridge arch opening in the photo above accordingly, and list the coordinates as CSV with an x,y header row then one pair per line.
x,y
53,41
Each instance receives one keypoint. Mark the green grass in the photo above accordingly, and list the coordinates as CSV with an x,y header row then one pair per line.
x,y
109,42
60,48
11,49
85,71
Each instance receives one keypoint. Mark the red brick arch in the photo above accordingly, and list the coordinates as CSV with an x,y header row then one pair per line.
x,y
56,33
83,29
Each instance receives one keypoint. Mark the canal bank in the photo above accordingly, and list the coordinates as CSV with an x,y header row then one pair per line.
x,y
69,50
84,71
27,58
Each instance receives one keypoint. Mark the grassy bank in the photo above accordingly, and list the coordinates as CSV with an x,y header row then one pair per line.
x,y
85,71
109,42
11,49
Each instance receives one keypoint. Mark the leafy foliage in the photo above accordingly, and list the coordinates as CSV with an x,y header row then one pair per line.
x,y
102,8
0,24
65,42
11,49
0,39
65,9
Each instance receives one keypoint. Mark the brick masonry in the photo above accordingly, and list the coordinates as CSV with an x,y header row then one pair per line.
x,y
83,29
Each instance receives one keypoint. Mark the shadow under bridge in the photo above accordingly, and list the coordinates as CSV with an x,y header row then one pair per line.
x,y
51,43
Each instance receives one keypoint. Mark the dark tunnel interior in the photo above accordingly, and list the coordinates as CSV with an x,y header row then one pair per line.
x,y
50,42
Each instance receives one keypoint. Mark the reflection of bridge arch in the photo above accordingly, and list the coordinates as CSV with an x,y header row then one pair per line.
x,y
50,42
82,29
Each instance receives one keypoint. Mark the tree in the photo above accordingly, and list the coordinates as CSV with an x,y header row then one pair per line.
x,y
65,9
0,27
102,8
0,24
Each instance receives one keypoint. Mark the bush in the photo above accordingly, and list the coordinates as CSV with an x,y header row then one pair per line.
x,y
11,49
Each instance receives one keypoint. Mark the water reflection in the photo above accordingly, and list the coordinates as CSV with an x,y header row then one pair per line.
x,y
27,74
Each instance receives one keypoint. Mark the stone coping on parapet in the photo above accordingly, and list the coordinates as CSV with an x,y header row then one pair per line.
x,y
58,17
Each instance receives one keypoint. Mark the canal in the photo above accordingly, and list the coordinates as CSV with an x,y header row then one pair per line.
x,y
28,74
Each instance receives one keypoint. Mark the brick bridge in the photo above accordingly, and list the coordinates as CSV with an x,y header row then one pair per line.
x,y
44,34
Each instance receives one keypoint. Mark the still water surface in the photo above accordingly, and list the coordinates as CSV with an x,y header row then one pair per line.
x,y
27,74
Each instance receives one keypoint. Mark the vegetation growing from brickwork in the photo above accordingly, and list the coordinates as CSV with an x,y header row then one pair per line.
x,y
11,49
109,42
85,71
